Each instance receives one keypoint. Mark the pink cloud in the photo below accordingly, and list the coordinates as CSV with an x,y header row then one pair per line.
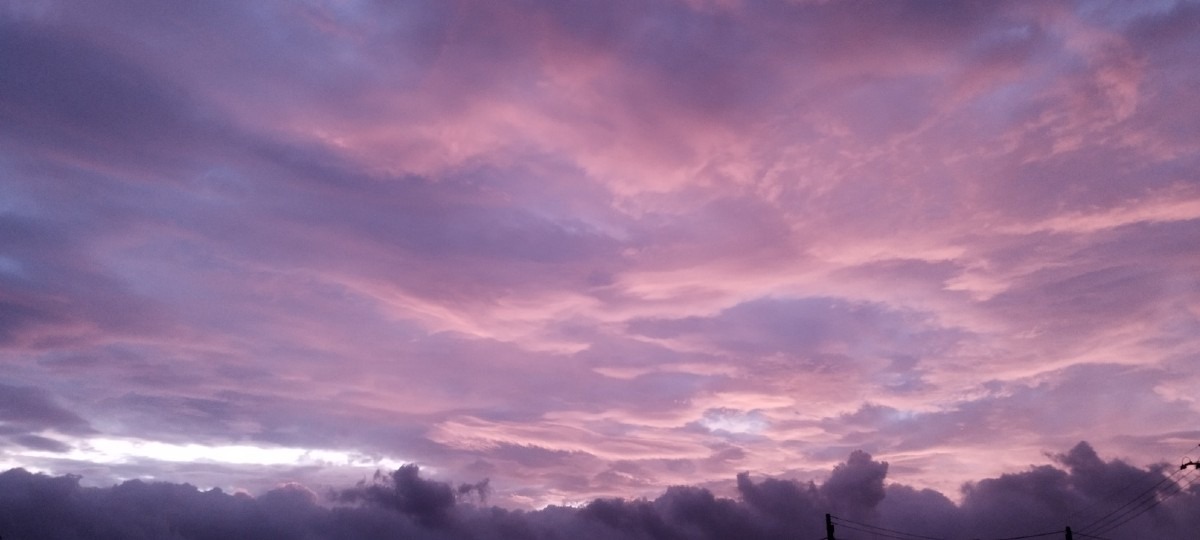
x,y
619,245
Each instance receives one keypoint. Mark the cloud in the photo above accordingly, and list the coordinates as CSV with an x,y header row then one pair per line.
x,y
1040,499
405,492
28,414
857,484
598,248
88,100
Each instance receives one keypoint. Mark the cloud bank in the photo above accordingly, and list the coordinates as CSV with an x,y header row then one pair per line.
x,y
1080,489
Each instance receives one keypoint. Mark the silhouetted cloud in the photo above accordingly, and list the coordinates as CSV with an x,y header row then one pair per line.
x,y
1043,498
406,492
856,485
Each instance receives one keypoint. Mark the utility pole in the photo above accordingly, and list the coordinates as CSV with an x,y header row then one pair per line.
x,y
829,527
1190,463
1069,537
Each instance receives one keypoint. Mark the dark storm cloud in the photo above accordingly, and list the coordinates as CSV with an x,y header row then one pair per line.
x,y
406,492
1042,499
857,485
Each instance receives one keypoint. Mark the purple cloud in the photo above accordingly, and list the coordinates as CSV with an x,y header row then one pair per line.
x,y
597,249
1084,493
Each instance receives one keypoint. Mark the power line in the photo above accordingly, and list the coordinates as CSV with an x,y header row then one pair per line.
x,y
892,533
876,533
1091,536
1120,511
1110,495
901,535
1134,506
907,534
1141,503
1030,536
1117,525
1178,489
1114,519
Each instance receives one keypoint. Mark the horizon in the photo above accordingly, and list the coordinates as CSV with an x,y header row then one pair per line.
x,y
596,248
1079,495
369,468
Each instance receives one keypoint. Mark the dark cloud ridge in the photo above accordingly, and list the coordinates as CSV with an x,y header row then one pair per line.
x,y
1080,487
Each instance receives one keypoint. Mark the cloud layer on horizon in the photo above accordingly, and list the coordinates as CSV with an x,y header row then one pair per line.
x,y
596,248
1097,497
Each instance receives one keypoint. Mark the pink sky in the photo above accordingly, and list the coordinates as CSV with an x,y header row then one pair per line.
x,y
595,248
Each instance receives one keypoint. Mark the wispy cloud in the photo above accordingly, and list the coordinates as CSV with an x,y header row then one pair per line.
x,y
598,247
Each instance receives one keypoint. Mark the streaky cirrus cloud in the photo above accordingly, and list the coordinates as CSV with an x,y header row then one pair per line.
x,y
595,249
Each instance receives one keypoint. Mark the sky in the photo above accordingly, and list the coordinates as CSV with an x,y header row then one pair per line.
x,y
1103,499
594,249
